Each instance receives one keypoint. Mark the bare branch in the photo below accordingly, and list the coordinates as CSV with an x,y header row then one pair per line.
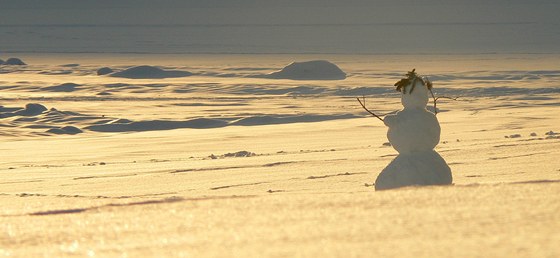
x,y
365,108
440,97
445,97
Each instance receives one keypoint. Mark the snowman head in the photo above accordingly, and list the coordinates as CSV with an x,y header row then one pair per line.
x,y
414,90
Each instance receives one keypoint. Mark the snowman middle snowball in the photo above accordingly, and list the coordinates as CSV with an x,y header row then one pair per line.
x,y
414,128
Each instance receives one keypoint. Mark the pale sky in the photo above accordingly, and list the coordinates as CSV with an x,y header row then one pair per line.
x,y
282,26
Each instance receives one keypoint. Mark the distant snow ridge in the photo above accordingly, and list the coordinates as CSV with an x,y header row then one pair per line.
x,y
276,119
149,72
309,70
124,125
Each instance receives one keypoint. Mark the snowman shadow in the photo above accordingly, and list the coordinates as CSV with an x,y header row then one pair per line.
x,y
414,132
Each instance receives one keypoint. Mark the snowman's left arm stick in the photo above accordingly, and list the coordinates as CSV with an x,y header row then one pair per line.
x,y
365,108
440,97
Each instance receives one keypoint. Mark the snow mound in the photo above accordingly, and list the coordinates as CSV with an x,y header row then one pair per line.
x,y
310,70
65,130
104,71
1,62
31,109
14,61
65,87
149,72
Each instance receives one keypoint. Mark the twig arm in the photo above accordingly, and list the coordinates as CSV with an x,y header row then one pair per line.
x,y
435,101
366,109
445,97
440,97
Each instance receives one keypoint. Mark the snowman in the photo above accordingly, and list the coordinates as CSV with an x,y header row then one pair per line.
x,y
414,132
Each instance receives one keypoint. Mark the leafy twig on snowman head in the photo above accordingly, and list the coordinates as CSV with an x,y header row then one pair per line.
x,y
411,78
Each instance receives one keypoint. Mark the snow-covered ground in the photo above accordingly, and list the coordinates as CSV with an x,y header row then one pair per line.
x,y
228,163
